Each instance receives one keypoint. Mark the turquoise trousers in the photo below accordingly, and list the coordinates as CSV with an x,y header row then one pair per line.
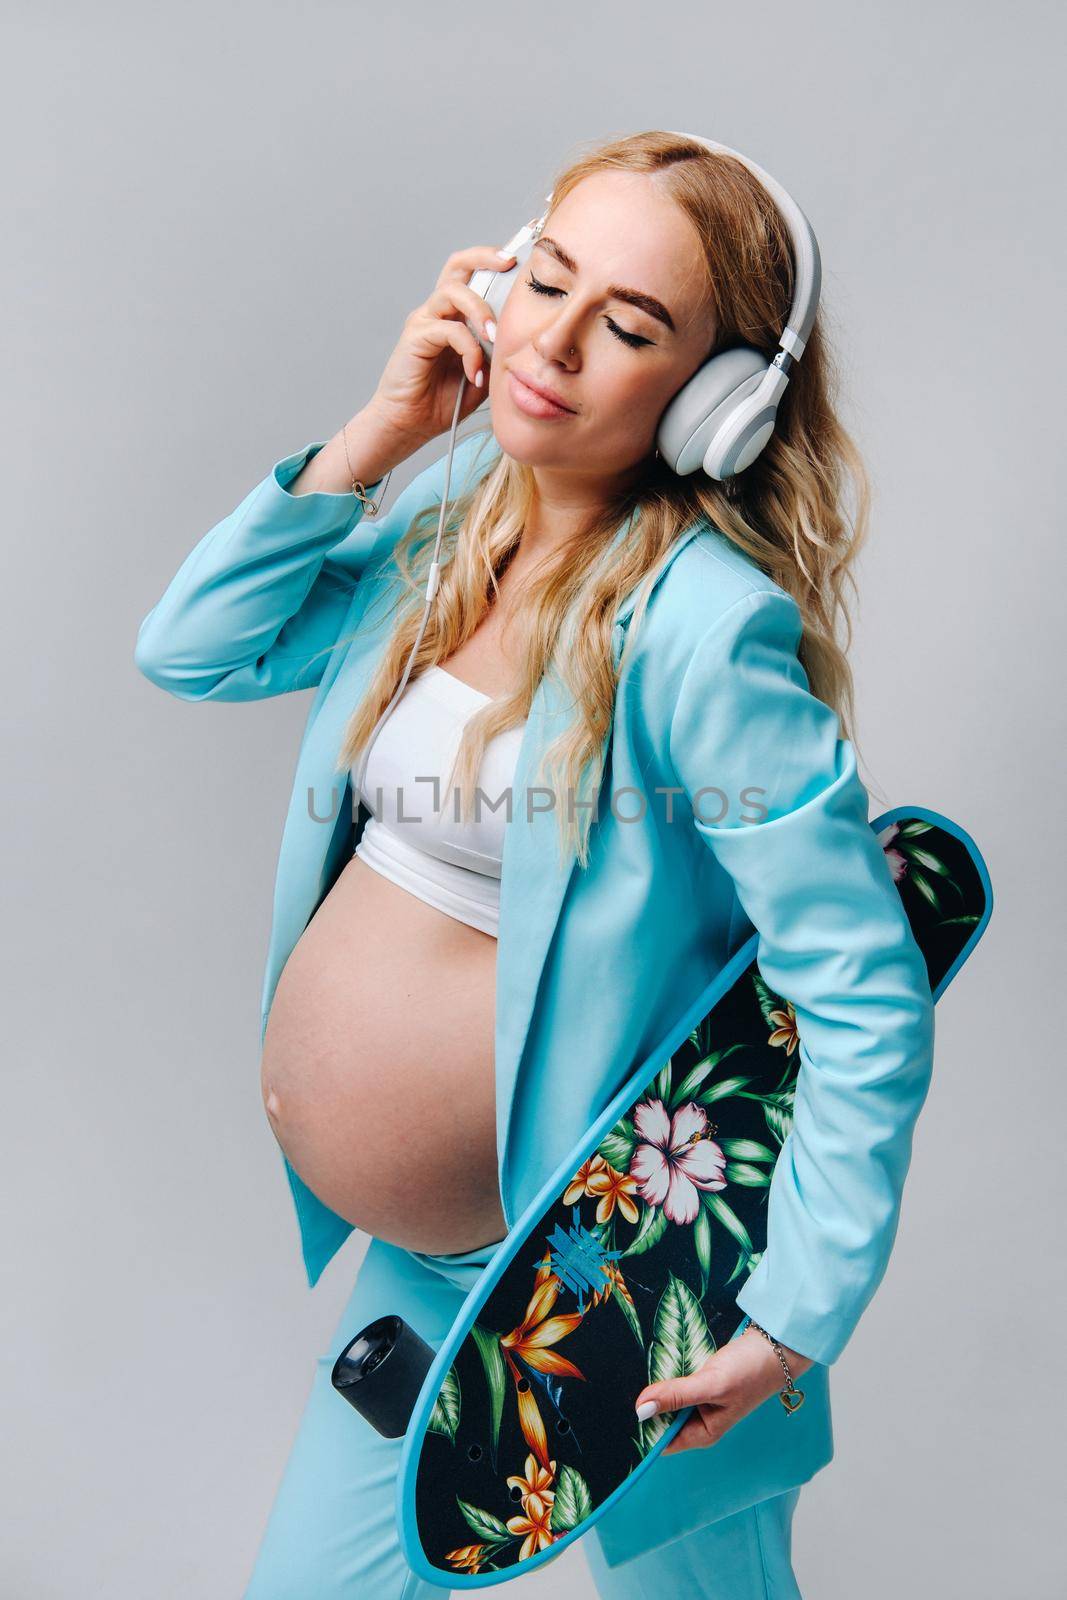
x,y
332,1530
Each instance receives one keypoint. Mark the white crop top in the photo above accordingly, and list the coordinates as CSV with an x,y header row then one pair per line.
x,y
451,864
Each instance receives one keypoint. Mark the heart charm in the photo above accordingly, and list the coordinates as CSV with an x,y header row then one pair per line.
x,y
791,1399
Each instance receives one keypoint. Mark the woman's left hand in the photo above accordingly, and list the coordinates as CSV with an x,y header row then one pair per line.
x,y
730,1384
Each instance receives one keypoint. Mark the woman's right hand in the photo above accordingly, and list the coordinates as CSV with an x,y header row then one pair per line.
x,y
416,394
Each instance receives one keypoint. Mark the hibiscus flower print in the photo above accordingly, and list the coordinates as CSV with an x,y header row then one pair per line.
x,y
675,1158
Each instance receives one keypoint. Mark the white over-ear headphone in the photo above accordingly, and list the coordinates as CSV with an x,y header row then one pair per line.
x,y
720,419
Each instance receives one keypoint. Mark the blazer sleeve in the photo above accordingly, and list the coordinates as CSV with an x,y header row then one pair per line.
x,y
257,605
835,940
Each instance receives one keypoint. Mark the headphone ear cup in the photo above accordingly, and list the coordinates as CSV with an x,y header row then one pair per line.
x,y
744,435
494,288
705,405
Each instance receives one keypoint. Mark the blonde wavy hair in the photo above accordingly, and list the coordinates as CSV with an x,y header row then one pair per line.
x,y
786,511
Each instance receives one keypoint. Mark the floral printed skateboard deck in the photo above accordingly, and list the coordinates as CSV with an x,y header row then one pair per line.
x,y
520,1430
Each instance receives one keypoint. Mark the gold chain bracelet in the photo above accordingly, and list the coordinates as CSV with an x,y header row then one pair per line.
x,y
791,1397
360,489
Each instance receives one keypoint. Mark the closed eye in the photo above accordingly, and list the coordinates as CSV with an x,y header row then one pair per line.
x,y
632,339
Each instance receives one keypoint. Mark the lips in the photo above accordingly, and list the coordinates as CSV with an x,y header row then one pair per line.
x,y
543,390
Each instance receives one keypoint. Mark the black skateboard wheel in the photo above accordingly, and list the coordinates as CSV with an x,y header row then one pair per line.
x,y
381,1372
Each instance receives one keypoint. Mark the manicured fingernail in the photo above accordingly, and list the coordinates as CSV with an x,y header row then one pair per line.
x,y
505,255
648,1409
478,376
490,331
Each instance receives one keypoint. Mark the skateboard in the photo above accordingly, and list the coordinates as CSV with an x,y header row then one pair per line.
x,y
519,1431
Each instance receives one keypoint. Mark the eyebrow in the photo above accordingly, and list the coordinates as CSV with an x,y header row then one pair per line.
x,y
634,297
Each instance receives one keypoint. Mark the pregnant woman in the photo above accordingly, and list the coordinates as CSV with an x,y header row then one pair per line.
x,y
464,967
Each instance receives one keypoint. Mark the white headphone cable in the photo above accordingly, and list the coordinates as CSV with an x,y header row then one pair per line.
x,y
431,590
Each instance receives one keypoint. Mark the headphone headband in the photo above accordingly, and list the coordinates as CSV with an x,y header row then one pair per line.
x,y
807,262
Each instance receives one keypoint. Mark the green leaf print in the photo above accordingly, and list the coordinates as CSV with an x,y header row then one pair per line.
x,y
725,1214
629,1311
573,1502
768,1000
744,1264
681,1343
925,889
746,1150
934,863
495,1376
692,1081
484,1524
779,1119
681,1338
618,1146
720,1090
702,1245
745,1173
444,1418
652,1227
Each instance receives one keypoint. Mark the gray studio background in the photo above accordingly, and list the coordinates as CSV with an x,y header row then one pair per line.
x,y
215,222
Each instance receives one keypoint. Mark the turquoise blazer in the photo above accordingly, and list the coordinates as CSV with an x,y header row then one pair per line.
x,y
595,967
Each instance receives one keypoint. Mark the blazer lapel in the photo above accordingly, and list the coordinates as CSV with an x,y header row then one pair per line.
x,y
533,881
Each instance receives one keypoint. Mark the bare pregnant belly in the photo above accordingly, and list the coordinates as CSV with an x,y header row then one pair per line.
x,y
378,1066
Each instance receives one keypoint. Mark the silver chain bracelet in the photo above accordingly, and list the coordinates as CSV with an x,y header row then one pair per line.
x,y
791,1397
